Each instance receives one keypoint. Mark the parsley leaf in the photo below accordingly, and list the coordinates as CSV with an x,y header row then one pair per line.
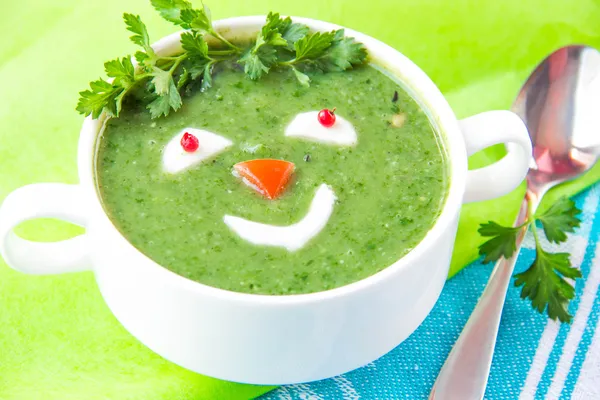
x,y
207,76
102,97
313,45
560,219
199,63
289,31
170,10
258,62
140,37
281,43
276,23
162,81
184,78
502,242
198,70
142,58
327,52
146,58
259,59
122,71
543,284
168,98
302,78
181,12
106,96
195,45
293,33
198,20
343,54
271,33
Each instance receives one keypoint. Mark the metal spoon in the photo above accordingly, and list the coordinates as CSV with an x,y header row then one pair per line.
x,y
559,104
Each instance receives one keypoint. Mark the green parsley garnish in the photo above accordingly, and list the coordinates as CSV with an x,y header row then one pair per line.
x,y
279,44
545,281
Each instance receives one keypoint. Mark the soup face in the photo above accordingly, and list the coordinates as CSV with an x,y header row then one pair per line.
x,y
352,199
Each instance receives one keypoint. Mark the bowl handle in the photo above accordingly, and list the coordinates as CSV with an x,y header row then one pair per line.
x,y
44,200
487,129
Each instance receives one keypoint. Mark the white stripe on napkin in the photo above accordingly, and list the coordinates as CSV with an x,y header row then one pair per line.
x,y
587,386
576,332
548,338
540,360
577,249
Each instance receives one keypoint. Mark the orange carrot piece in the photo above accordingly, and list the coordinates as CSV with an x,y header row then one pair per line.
x,y
269,177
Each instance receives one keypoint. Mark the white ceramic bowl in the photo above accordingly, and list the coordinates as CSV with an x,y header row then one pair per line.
x,y
268,339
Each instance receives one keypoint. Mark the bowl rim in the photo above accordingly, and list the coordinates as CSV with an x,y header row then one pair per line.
x,y
419,85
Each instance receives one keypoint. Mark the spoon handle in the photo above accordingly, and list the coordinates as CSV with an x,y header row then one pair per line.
x,y
465,373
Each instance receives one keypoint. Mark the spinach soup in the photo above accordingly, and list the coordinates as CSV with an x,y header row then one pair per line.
x,y
270,187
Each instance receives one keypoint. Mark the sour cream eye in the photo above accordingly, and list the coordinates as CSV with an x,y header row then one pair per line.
x,y
307,126
177,159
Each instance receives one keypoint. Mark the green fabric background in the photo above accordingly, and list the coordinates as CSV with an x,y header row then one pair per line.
x,y
58,340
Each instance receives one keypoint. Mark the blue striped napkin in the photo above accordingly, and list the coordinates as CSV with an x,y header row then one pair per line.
x,y
535,358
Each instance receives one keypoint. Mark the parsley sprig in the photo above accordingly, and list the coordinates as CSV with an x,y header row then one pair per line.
x,y
280,43
545,281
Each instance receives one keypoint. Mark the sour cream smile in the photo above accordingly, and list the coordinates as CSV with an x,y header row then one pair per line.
x,y
291,237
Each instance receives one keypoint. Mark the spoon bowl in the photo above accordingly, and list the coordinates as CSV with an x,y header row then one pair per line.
x,y
557,105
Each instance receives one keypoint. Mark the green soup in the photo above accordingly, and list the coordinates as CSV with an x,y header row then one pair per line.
x,y
390,186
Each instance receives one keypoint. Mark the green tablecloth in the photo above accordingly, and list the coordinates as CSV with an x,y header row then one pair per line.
x,y
58,340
